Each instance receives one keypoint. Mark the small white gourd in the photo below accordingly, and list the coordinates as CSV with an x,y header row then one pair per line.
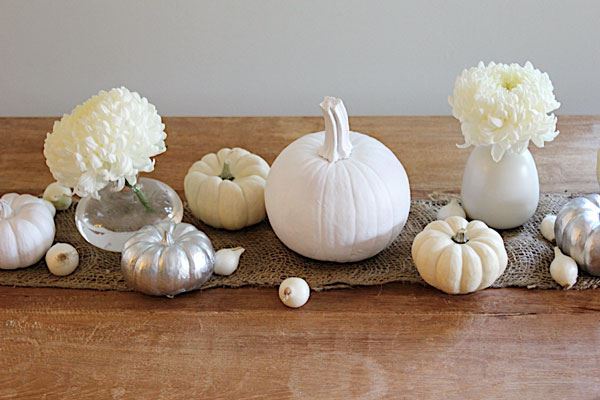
x,y
337,195
452,209
294,292
227,260
459,257
547,227
226,189
563,269
62,259
26,230
60,196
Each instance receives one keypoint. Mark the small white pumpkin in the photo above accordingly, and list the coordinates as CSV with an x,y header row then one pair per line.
x,y
459,257
26,230
226,189
337,195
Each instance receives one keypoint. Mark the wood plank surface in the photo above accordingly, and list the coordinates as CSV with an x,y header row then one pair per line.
x,y
394,341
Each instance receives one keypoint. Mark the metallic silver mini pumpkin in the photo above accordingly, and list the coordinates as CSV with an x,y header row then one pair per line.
x,y
167,259
577,231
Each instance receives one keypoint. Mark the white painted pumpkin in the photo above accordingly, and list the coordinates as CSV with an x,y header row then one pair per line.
x,y
226,189
337,195
26,230
459,257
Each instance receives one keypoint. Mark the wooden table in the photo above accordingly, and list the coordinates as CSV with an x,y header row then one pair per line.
x,y
391,341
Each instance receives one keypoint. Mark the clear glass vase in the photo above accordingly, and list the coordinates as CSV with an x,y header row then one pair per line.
x,y
108,222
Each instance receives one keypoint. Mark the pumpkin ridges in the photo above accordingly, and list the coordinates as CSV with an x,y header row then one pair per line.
x,y
456,223
201,167
431,256
244,205
354,227
371,212
192,184
213,162
573,232
130,274
208,202
447,269
253,190
231,206
7,244
33,245
496,244
27,212
170,259
252,164
592,251
234,157
440,226
320,225
491,267
393,232
141,263
472,270
423,236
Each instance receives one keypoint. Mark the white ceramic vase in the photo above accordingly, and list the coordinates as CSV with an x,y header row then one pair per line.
x,y
502,194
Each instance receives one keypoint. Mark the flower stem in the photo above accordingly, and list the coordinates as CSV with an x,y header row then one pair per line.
x,y
141,196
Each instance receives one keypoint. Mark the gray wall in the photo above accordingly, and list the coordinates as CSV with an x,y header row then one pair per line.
x,y
278,57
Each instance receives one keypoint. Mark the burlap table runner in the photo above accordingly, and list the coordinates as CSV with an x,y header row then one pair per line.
x,y
267,262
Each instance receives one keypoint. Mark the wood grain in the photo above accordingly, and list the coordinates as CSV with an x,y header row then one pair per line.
x,y
394,341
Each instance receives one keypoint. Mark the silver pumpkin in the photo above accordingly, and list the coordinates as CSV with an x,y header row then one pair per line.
x,y
577,231
167,259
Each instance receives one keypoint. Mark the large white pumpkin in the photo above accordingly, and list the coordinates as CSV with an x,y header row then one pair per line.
x,y
26,230
459,257
337,195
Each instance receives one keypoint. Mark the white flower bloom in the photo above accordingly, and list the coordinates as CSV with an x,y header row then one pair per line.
x,y
109,138
505,107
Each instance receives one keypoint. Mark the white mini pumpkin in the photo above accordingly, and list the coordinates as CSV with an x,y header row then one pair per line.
x,y
337,195
26,230
459,257
226,189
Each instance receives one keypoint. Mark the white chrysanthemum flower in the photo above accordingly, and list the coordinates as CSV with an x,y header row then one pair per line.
x,y
505,107
109,138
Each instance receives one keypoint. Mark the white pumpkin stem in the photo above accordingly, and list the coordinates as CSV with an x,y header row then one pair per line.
x,y
461,237
5,209
337,145
226,172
